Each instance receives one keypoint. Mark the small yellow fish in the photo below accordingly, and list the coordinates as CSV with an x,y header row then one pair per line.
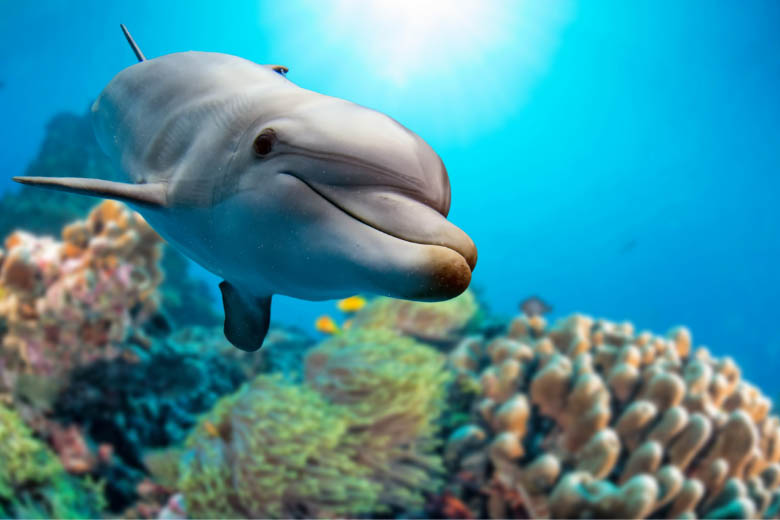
x,y
210,428
326,325
351,304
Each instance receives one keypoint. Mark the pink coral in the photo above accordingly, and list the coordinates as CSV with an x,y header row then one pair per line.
x,y
65,303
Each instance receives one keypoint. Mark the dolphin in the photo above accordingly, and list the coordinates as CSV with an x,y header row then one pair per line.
x,y
274,188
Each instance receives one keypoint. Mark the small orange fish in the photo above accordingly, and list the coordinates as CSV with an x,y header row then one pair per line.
x,y
351,304
326,325
210,428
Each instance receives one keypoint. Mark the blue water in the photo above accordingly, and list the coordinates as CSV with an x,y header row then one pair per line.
x,y
617,158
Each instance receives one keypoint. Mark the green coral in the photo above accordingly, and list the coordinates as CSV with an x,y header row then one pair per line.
x,y
33,483
358,438
273,450
393,388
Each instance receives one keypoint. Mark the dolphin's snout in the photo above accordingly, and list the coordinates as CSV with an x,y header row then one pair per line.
x,y
401,216
451,275
468,250
384,175
444,274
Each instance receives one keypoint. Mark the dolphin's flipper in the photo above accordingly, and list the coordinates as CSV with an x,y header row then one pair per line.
x,y
246,317
152,194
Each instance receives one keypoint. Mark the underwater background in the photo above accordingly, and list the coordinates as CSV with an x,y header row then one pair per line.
x,y
619,160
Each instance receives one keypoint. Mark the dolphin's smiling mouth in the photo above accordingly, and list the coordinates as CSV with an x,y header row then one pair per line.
x,y
429,228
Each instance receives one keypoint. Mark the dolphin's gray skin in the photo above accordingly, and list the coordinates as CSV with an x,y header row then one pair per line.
x,y
275,188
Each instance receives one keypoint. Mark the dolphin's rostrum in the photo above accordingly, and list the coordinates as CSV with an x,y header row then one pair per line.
x,y
275,188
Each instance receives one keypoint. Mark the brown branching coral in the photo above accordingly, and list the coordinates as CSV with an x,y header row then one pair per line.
x,y
588,419
65,303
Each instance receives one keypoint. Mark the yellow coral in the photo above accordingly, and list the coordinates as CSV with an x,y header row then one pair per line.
x,y
434,322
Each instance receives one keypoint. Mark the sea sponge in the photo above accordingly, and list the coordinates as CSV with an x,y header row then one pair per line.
x,y
67,303
275,450
629,425
432,322
33,483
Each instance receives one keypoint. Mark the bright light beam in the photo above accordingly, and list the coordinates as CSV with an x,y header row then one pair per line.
x,y
468,63
409,37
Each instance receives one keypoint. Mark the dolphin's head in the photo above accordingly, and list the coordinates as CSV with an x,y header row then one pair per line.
x,y
358,202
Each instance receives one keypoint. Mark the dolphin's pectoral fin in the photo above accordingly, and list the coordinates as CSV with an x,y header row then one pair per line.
x,y
152,194
246,317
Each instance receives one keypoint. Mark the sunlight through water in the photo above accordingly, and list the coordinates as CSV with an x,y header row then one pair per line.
x,y
470,63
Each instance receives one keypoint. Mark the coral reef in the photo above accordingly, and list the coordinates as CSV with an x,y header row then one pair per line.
x,y
283,349
587,419
33,483
357,439
437,323
64,304
132,407
393,388
70,149
274,450
150,403
583,419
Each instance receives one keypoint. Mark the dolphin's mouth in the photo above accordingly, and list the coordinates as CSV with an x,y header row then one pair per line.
x,y
388,211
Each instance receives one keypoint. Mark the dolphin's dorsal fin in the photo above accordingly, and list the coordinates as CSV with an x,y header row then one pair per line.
x,y
246,317
153,194
133,45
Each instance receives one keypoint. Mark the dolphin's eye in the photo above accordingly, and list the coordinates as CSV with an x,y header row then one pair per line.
x,y
264,142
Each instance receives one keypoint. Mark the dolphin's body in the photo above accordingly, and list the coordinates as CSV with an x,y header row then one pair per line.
x,y
275,188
